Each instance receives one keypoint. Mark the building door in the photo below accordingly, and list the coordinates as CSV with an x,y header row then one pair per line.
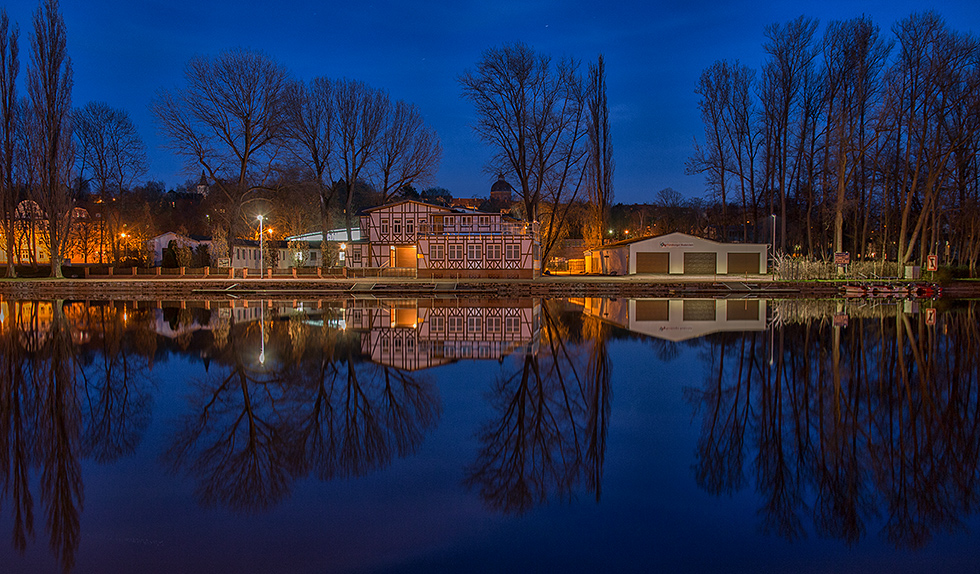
x,y
743,263
696,263
405,257
652,262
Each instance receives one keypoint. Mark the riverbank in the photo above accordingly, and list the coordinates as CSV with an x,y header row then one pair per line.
x,y
146,288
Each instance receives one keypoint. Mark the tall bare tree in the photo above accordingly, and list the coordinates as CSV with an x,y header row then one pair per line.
x,y
360,119
49,84
532,114
310,127
9,69
409,152
229,122
599,179
790,59
111,155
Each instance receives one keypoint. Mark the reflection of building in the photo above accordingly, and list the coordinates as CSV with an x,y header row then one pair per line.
x,y
438,242
417,334
680,319
676,253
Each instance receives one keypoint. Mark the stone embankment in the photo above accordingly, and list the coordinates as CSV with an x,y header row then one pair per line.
x,y
203,288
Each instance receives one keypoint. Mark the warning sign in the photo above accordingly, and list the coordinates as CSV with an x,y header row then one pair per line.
x,y
932,262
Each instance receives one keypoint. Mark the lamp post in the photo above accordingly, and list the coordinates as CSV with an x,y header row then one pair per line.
x,y
261,249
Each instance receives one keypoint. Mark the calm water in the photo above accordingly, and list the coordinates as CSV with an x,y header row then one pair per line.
x,y
489,435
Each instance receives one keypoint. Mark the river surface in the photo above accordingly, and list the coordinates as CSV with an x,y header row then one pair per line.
x,y
494,435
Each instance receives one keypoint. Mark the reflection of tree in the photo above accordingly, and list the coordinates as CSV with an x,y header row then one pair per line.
x,y
551,427
256,429
17,412
43,378
878,422
117,404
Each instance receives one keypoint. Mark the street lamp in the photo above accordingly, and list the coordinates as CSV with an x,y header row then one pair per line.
x,y
261,248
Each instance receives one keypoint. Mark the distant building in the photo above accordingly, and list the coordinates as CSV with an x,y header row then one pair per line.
x,y
160,242
501,191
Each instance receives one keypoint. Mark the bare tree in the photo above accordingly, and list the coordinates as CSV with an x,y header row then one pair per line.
x,y
600,163
790,59
111,155
533,116
49,84
9,68
360,117
409,152
311,134
228,121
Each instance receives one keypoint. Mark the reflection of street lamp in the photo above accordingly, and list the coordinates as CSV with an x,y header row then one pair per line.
x,y
261,249
262,327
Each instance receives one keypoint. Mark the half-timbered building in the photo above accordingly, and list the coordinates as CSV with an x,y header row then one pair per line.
x,y
439,242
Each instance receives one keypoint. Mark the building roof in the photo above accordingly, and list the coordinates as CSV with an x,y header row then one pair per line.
x,y
332,235
677,235
501,185
387,205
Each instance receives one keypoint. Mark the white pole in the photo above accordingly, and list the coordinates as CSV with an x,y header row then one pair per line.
x,y
261,249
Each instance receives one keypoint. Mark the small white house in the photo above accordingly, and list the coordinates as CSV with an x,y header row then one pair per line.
x,y
160,242
677,254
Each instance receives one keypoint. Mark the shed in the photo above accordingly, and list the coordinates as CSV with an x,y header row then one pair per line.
x,y
677,254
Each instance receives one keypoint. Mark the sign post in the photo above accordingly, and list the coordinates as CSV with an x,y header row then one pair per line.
x,y
932,263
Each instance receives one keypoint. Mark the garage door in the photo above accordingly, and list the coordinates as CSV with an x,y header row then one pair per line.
x,y
743,262
647,310
653,262
699,263
746,310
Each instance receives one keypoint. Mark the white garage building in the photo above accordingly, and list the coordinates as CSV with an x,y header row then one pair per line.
x,y
677,254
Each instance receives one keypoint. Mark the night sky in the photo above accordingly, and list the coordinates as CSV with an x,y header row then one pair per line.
x,y
124,51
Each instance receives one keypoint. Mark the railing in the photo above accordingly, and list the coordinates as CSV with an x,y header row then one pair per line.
x,y
522,229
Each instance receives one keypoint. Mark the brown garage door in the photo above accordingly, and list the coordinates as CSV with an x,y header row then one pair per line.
x,y
653,262
699,309
652,310
743,262
699,263
746,310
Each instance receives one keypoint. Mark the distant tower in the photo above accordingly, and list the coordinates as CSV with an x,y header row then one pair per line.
x,y
501,191
202,186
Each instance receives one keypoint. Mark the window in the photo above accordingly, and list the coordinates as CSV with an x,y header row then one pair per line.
x,y
456,251
437,323
384,227
474,324
450,220
456,324
340,256
466,220
474,252
512,251
493,324
493,252
409,226
512,324
437,252
355,256
396,226
484,220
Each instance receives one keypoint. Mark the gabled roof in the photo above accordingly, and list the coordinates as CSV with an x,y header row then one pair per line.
x,y
389,205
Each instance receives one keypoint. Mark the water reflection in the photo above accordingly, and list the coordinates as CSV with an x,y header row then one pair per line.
x,y
551,413
844,418
873,423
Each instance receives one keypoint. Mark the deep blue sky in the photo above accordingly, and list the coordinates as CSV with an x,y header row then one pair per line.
x,y
123,51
